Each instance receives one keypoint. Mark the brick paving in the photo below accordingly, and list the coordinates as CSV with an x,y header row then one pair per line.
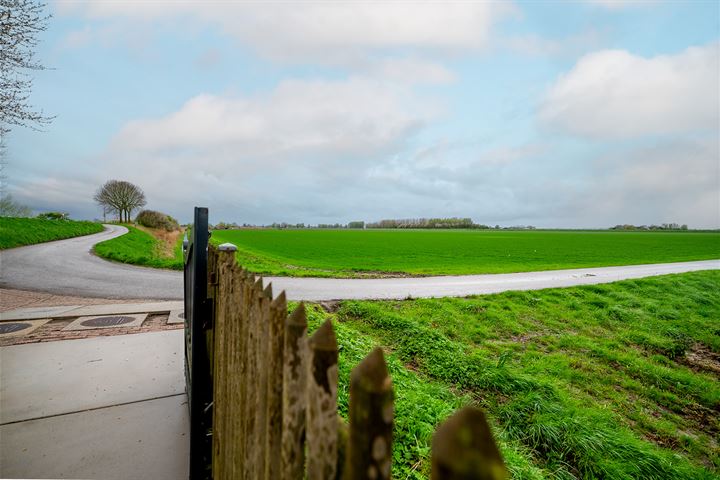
x,y
52,331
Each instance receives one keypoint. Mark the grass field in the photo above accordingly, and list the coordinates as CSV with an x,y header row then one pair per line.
x,y
139,247
16,232
610,381
353,253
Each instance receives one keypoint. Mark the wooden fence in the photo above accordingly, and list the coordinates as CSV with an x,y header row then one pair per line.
x,y
274,396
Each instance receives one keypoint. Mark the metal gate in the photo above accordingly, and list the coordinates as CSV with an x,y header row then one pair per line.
x,y
198,317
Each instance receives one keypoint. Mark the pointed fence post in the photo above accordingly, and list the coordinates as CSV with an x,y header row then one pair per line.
x,y
251,465
295,396
322,404
234,369
273,416
463,448
226,301
371,420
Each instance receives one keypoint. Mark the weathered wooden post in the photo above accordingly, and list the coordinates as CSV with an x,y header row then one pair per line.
x,y
273,416
294,399
244,288
371,414
223,275
251,467
463,448
322,383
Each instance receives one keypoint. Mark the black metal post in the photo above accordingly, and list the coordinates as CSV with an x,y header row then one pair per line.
x,y
197,365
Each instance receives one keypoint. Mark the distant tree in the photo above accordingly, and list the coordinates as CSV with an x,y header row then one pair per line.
x,y
357,224
21,21
11,208
120,197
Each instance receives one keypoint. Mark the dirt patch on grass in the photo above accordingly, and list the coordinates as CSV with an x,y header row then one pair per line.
x,y
166,240
701,358
330,306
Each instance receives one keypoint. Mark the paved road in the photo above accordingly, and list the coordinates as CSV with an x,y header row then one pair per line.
x,y
67,267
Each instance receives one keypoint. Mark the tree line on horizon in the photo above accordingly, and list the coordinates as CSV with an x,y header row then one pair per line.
x,y
407,223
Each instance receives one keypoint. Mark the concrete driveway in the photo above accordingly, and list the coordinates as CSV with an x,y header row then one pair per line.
x,y
68,267
105,407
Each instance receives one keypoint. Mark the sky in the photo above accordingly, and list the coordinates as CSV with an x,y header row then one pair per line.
x,y
547,113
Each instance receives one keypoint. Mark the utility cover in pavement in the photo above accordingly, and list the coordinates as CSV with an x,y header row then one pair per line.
x,y
13,327
17,329
107,321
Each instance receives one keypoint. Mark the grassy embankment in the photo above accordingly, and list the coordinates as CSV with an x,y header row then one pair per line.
x,y
144,246
355,253
608,381
16,232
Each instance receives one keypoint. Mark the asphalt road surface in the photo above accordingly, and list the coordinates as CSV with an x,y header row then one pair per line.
x,y
68,267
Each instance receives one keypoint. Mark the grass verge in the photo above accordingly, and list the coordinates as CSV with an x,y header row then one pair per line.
x,y
377,253
608,381
16,232
138,247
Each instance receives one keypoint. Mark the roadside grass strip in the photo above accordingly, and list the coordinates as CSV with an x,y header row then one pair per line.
x,y
421,404
140,248
608,381
378,253
16,232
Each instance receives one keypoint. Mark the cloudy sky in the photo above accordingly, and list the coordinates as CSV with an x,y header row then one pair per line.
x,y
554,114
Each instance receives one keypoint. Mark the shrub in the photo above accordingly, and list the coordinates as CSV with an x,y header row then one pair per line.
x,y
54,215
153,219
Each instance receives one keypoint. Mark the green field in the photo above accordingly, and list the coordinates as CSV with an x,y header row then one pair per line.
x,y
139,248
609,381
16,232
354,253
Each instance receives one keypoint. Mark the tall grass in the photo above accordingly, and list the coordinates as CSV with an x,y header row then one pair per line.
x,y
140,248
587,382
16,232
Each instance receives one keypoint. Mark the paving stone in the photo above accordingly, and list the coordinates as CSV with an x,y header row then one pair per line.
x,y
82,311
147,439
35,313
176,316
58,377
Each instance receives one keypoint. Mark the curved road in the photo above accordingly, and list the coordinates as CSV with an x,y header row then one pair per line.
x,y
67,267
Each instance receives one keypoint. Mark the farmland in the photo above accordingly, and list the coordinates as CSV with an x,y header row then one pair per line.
x,y
16,232
609,381
357,253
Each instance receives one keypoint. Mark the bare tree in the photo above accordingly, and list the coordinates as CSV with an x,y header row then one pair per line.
x,y
11,208
21,21
120,197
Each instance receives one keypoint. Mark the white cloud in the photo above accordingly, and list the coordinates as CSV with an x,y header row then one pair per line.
x,y
673,181
537,45
321,31
292,153
355,116
411,70
621,4
615,94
